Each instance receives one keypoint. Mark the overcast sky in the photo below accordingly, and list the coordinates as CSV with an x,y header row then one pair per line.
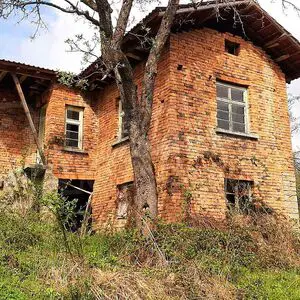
x,y
48,49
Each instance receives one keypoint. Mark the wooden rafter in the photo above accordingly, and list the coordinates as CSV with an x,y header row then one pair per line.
x,y
134,56
275,40
23,78
2,75
282,57
27,112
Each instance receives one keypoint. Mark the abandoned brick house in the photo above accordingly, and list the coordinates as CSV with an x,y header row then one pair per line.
x,y
220,119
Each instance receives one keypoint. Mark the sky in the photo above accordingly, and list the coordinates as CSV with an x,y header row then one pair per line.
x,y
48,49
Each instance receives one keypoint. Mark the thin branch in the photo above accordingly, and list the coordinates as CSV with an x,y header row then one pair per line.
x,y
122,23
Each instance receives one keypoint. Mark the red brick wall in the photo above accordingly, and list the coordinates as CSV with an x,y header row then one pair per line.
x,y
183,132
268,160
113,162
184,142
17,146
68,164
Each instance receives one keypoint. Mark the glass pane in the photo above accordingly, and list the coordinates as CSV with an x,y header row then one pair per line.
x,y
72,135
230,200
231,186
125,127
73,127
222,105
223,115
238,118
237,109
72,143
223,124
238,127
222,91
237,95
72,114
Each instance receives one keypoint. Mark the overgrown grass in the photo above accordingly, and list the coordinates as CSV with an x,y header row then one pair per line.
x,y
252,257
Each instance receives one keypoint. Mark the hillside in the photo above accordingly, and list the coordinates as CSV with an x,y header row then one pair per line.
x,y
252,257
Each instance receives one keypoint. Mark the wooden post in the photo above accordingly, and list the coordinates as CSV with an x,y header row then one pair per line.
x,y
27,112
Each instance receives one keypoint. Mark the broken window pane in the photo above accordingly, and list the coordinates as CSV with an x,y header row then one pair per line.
x,y
239,194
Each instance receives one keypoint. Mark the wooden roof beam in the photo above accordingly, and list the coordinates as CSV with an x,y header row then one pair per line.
x,y
23,78
276,40
27,113
264,28
273,45
2,75
134,56
282,58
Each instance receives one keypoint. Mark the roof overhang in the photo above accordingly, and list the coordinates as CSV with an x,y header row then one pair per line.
x,y
244,18
34,80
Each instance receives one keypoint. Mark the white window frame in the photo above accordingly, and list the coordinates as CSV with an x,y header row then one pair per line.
x,y
121,115
230,102
74,122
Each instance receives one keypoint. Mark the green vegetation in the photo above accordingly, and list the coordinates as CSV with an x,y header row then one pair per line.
x,y
252,257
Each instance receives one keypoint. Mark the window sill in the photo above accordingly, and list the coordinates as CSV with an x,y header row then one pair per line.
x,y
238,134
120,141
74,150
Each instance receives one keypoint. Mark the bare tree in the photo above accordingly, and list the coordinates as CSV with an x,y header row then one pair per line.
x,y
295,122
137,108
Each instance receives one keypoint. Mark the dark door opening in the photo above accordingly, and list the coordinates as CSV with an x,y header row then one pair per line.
x,y
78,191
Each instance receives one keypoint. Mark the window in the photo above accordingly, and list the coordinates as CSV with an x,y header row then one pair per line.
x,y
231,108
74,127
124,199
238,194
232,47
123,123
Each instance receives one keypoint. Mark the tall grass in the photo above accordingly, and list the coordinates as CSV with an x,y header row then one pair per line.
x,y
252,257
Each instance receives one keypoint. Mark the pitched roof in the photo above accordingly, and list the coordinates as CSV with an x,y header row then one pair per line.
x,y
253,23
25,69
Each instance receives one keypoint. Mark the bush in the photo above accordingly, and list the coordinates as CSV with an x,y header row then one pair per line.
x,y
252,257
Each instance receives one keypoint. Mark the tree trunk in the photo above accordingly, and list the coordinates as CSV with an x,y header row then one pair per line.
x,y
135,114
146,199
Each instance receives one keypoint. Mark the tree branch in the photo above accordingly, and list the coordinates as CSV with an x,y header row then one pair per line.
x,y
151,65
122,23
23,4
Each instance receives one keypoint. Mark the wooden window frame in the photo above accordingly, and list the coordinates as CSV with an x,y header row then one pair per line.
x,y
79,122
121,115
235,192
230,102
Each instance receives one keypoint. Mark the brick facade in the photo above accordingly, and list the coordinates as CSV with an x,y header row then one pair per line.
x,y
68,164
191,159
16,142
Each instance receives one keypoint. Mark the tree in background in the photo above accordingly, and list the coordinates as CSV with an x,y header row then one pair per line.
x,y
111,20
